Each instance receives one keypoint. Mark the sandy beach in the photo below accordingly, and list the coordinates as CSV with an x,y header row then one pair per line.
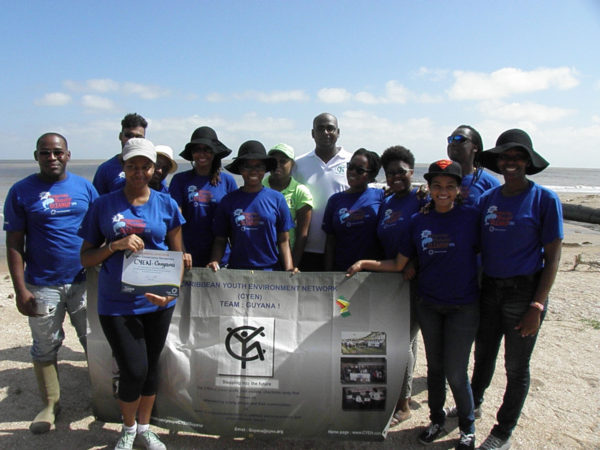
x,y
561,411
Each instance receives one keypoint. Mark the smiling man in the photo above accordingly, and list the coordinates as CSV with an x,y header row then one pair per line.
x,y
42,214
324,172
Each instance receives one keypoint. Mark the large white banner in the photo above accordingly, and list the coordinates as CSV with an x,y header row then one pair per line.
x,y
271,354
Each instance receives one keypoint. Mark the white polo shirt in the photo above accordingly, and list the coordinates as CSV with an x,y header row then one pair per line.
x,y
323,180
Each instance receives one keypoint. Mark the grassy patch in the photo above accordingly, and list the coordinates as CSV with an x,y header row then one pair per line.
x,y
595,324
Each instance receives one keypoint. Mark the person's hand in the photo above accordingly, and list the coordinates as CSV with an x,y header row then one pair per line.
x,y
213,265
293,270
410,271
187,260
422,191
530,323
131,242
26,303
158,300
356,267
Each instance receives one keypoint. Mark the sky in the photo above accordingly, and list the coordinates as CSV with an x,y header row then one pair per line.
x,y
400,72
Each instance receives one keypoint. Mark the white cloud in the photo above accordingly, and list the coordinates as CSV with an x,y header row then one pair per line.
x,y
215,97
104,85
523,111
333,95
273,97
54,99
394,93
432,74
146,92
508,81
97,102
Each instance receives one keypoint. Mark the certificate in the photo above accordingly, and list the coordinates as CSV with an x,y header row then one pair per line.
x,y
155,271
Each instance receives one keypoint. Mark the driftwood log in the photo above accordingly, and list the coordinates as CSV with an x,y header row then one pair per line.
x,y
581,213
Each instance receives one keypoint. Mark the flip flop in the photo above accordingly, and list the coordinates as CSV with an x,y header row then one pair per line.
x,y
399,417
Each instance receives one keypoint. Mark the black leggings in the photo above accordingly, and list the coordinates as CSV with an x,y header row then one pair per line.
x,y
136,343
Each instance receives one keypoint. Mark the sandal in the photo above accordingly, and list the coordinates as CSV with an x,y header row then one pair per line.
x,y
399,416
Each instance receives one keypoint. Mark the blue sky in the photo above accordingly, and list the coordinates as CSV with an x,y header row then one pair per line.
x,y
393,72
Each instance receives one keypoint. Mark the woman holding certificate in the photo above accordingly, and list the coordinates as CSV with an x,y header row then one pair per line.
x,y
136,326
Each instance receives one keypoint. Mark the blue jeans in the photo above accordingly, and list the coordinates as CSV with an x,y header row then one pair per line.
x,y
448,334
47,330
503,304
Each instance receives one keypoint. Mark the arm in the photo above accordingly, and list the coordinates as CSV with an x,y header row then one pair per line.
x,y
92,255
187,257
329,252
303,216
15,256
283,242
530,322
387,265
216,252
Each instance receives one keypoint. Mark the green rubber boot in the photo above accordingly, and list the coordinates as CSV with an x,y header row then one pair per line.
x,y
47,379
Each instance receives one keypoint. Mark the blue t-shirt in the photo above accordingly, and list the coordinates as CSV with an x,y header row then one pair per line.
x,y
109,177
111,218
198,200
470,192
352,219
252,222
394,220
446,246
515,230
50,215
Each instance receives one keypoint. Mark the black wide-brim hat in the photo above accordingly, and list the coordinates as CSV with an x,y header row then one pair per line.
x,y
514,138
444,167
205,136
251,150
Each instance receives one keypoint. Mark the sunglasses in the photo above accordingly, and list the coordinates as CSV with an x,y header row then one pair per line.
x,y
359,170
457,139
393,173
47,153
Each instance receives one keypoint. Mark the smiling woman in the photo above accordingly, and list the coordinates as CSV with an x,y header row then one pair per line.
x,y
521,243
350,218
132,219
255,219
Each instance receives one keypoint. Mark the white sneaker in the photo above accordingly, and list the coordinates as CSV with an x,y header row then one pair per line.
x,y
495,443
151,441
125,441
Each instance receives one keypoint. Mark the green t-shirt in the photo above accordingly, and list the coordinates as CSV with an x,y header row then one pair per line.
x,y
296,196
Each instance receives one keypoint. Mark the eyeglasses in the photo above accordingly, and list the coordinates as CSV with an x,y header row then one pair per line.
x,y
47,153
130,135
359,170
457,139
259,168
516,157
392,173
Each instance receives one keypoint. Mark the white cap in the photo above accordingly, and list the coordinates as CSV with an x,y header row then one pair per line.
x,y
167,151
139,147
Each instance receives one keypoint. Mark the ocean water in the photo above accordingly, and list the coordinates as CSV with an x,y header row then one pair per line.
x,y
584,181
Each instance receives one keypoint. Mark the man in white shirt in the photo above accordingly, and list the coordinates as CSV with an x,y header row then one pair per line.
x,y
323,171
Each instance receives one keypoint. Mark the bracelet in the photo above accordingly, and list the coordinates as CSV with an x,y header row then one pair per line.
x,y
537,305
110,248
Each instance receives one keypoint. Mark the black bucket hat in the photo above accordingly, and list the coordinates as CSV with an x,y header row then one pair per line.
x,y
514,138
444,167
208,137
251,150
